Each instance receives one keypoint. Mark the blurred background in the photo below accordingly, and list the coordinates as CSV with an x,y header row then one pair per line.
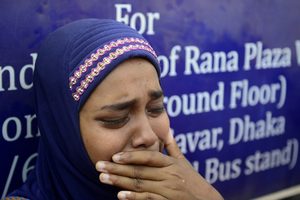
x,y
230,72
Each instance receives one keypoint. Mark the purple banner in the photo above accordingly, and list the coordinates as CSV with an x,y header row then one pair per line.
x,y
230,72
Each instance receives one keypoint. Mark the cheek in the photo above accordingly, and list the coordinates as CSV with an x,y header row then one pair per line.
x,y
100,143
161,127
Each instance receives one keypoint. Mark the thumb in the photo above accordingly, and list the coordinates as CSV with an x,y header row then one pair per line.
x,y
172,147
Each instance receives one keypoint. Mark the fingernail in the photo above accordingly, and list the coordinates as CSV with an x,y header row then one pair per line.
x,y
100,166
171,132
123,195
105,178
170,137
117,157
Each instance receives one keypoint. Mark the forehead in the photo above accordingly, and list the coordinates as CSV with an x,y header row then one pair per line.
x,y
133,78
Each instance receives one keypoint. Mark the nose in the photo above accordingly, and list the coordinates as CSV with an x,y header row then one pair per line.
x,y
144,136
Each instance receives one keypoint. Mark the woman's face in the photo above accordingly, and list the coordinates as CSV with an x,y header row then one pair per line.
x,y
125,112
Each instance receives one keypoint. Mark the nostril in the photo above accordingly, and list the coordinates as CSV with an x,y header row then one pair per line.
x,y
143,135
141,146
144,139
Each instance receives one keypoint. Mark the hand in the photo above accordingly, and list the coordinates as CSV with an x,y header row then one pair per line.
x,y
153,175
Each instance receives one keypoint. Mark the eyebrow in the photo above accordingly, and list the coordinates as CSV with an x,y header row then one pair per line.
x,y
119,106
153,94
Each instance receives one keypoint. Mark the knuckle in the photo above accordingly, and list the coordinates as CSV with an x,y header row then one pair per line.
x,y
115,181
109,166
173,185
136,172
175,173
149,196
133,196
138,184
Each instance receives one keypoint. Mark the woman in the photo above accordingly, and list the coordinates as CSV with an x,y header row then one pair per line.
x,y
102,121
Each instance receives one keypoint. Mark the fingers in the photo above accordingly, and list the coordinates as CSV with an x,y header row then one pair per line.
x,y
146,158
132,171
128,195
132,184
172,147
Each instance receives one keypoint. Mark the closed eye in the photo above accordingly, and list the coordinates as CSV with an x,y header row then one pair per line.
x,y
114,123
156,111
